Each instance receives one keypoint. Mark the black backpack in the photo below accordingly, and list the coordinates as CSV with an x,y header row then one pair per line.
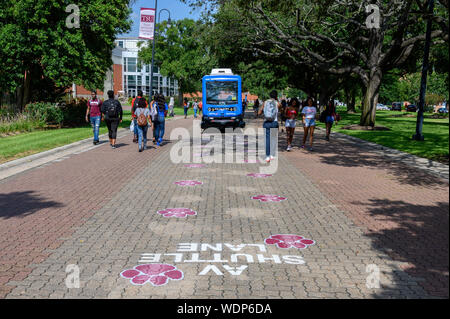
x,y
112,110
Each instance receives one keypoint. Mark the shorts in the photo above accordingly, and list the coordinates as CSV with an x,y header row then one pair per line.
x,y
290,123
329,119
310,122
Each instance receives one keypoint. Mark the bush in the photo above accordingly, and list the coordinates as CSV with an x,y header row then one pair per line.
x,y
74,114
19,123
45,112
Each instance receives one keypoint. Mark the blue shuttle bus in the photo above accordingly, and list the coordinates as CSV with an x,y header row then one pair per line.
x,y
222,100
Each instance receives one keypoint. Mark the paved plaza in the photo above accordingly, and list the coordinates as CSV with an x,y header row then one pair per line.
x,y
343,221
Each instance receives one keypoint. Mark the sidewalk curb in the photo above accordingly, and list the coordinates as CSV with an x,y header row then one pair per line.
x,y
432,167
37,156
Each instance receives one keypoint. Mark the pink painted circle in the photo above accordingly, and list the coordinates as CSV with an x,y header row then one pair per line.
x,y
288,241
269,198
155,274
258,175
194,165
177,212
188,183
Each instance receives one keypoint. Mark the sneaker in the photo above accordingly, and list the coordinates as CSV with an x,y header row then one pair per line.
x,y
303,146
310,149
289,148
272,158
113,146
157,144
327,138
267,159
140,150
145,147
160,140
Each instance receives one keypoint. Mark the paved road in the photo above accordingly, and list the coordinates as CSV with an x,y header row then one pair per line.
x,y
353,216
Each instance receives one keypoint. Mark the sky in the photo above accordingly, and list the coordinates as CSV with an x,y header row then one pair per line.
x,y
178,11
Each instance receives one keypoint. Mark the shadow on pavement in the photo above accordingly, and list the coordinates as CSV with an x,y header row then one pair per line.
x,y
19,204
417,235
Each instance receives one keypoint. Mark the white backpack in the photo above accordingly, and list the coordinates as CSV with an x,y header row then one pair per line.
x,y
270,110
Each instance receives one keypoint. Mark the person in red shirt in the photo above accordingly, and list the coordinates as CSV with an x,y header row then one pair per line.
x,y
134,105
290,123
93,112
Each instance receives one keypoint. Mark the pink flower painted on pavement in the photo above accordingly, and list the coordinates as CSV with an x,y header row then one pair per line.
x,y
194,165
258,175
188,183
288,241
156,274
177,212
269,198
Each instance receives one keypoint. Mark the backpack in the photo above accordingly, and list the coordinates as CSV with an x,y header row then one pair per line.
x,y
270,110
142,120
111,110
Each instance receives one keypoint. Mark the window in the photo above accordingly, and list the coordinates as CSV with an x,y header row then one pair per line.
x,y
147,80
147,68
155,82
121,44
221,92
155,69
139,80
131,80
132,64
125,61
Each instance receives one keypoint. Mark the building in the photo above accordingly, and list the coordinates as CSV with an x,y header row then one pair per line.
x,y
127,75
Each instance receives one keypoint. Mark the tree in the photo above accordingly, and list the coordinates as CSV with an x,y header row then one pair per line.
x,y
181,53
40,42
339,37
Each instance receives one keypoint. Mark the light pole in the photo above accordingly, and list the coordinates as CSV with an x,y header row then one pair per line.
x,y
423,86
154,41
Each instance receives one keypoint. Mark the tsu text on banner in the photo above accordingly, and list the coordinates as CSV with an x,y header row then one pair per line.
x,y
147,24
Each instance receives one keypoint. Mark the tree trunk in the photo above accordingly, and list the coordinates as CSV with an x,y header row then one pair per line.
x,y
371,99
26,90
350,99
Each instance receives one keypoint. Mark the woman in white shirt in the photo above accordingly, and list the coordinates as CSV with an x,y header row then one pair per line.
x,y
309,122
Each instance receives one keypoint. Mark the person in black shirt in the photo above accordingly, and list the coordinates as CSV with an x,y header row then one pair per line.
x,y
112,110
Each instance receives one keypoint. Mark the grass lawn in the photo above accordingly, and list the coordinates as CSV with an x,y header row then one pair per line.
x,y
24,144
21,145
402,127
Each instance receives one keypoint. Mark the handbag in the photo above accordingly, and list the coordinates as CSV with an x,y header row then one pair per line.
x,y
132,126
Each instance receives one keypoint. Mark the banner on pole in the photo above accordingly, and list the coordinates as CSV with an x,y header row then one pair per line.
x,y
147,23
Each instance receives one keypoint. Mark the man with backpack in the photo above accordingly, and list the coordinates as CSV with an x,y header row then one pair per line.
x,y
134,105
160,113
142,123
270,110
93,112
112,110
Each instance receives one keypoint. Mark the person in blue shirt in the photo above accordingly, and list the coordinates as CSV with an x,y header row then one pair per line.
x,y
160,118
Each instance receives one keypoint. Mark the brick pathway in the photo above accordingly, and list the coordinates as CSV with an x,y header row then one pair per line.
x,y
359,210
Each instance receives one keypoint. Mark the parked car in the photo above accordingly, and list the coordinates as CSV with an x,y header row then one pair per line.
x,y
442,110
396,106
411,108
382,107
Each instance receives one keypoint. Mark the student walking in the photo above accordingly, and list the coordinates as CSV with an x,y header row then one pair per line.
x,y
309,122
330,116
186,107
134,104
171,106
112,110
256,107
93,112
195,106
291,116
270,109
143,121
161,108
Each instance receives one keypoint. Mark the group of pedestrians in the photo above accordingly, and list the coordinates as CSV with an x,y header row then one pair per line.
x,y
143,117
195,104
109,111
288,112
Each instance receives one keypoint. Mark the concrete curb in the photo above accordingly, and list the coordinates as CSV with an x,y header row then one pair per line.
x,y
432,167
86,142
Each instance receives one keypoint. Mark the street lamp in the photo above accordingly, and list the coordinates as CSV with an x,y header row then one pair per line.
x,y
154,41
